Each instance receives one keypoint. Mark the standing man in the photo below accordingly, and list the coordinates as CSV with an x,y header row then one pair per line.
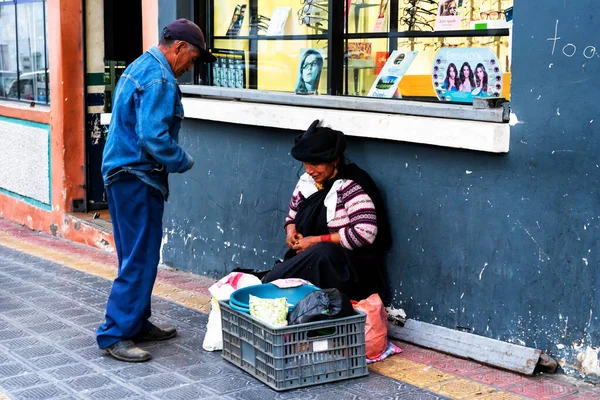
x,y
141,150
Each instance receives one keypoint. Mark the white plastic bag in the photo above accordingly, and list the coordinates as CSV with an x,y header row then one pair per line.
x,y
221,290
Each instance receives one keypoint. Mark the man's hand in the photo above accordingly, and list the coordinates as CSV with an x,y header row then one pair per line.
x,y
306,243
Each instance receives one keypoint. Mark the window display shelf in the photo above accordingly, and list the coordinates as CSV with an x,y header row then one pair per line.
x,y
274,37
375,35
413,122
350,103
432,34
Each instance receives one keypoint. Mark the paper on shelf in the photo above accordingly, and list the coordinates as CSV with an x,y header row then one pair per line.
x,y
391,74
278,20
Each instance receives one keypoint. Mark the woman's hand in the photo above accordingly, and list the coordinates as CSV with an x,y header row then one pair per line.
x,y
306,243
292,236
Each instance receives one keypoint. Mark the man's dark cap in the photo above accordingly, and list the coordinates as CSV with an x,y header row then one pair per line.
x,y
186,30
319,145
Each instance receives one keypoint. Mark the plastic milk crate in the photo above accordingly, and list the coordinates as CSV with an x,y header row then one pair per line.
x,y
297,355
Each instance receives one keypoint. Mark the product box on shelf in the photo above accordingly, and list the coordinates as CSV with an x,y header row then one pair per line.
x,y
489,24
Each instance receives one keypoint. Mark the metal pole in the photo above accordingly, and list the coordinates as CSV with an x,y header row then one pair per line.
x,y
253,46
17,49
46,55
335,42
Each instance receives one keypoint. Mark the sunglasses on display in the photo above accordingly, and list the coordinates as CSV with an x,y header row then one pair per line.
x,y
308,19
306,14
414,2
311,8
452,44
418,10
416,25
491,15
261,23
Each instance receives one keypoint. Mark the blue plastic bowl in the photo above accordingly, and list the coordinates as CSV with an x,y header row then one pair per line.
x,y
238,308
241,297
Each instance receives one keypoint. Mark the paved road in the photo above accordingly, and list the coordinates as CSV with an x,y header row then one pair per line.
x,y
48,317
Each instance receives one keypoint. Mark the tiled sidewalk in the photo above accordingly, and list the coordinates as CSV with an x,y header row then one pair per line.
x,y
48,316
52,298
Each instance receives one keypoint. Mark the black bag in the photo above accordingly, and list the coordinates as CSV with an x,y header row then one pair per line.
x,y
321,305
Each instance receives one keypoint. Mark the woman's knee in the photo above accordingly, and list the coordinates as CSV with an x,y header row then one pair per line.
x,y
327,249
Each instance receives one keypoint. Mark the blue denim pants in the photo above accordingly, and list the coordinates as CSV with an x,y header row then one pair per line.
x,y
136,210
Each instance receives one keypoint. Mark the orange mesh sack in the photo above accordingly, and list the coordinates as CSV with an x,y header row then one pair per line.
x,y
376,326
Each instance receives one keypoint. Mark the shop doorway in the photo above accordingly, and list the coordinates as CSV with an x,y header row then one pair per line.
x,y
122,44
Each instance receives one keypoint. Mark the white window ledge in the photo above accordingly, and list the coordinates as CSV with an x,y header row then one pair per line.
x,y
493,137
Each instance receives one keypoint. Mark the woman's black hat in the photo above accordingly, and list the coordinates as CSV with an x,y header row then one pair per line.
x,y
319,145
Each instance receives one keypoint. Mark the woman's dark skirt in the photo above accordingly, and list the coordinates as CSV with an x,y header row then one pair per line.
x,y
328,265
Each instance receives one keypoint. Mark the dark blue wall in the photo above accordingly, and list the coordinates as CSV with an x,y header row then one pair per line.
x,y
555,163
505,246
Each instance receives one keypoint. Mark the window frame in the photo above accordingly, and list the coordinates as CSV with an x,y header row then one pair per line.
x,y
494,111
46,71
337,40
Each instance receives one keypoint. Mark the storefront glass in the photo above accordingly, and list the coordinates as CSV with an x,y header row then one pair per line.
x,y
379,48
23,51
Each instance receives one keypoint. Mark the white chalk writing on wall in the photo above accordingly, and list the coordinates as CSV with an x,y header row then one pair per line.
x,y
571,49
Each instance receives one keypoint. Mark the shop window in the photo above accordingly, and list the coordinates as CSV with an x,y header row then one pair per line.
x,y
427,50
24,51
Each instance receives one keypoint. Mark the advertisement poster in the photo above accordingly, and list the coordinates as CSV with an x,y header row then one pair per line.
x,y
380,60
237,19
230,68
380,21
278,19
359,50
391,74
448,15
310,67
459,75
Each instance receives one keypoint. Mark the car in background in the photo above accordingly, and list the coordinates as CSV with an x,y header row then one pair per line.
x,y
6,80
31,86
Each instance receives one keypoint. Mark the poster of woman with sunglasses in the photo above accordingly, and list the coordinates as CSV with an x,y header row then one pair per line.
x,y
448,15
459,75
309,71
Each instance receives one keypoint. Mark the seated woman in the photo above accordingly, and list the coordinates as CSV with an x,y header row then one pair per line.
x,y
335,228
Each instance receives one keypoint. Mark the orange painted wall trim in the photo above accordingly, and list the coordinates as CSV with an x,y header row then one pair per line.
x,y
149,23
54,223
22,111
65,44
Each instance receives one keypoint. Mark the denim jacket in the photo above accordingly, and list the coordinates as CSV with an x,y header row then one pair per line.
x,y
145,123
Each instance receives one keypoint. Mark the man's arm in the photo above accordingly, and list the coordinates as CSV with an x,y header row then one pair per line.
x,y
154,115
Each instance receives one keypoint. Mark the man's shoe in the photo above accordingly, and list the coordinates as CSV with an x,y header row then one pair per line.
x,y
155,334
126,350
